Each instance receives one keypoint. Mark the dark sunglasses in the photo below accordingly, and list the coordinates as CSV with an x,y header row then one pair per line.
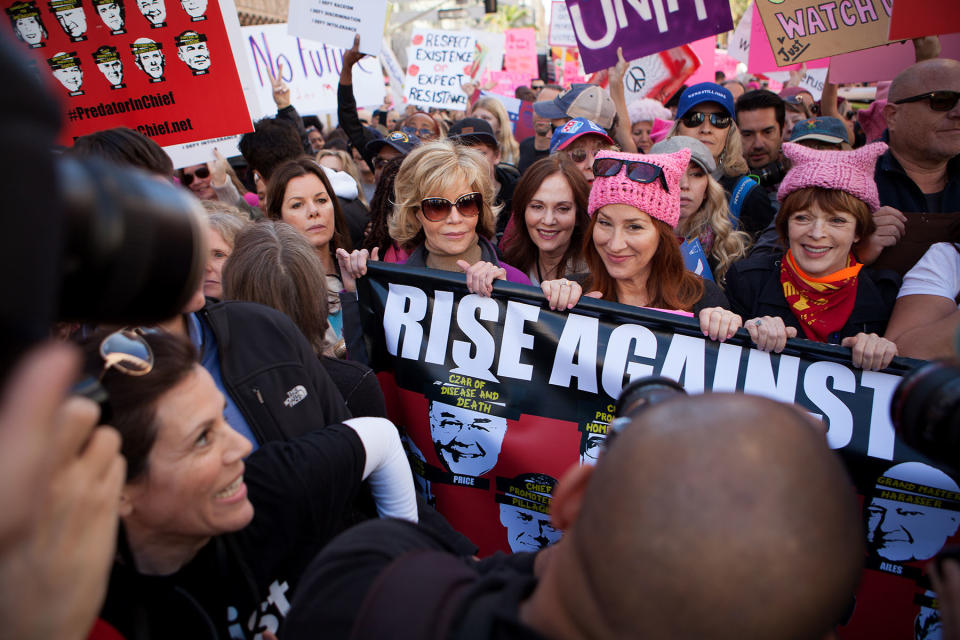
x,y
718,120
637,170
437,209
128,352
939,100
420,133
201,172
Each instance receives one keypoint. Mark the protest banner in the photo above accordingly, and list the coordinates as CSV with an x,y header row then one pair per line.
x,y
802,30
639,30
498,396
660,75
918,18
520,52
310,69
886,61
439,62
153,69
561,29
749,45
394,71
336,22
191,153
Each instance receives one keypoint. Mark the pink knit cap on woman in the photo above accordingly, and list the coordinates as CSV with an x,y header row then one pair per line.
x,y
649,198
849,171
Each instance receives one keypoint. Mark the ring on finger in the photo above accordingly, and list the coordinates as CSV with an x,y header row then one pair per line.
x,y
757,322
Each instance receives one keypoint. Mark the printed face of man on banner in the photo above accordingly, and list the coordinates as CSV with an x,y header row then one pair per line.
x,y
467,442
112,15
70,76
527,530
193,52
110,65
149,58
194,8
591,444
73,21
903,531
154,11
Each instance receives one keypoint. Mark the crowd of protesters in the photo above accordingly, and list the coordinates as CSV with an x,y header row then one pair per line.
x,y
254,431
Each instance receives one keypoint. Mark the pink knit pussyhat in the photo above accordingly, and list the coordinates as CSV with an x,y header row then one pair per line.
x,y
849,171
651,198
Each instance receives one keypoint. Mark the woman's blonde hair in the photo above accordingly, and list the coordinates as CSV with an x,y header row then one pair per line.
x,y
714,213
227,225
349,166
731,158
509,149
430,170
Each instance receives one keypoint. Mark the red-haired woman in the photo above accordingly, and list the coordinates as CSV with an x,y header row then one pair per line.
x,y
631,250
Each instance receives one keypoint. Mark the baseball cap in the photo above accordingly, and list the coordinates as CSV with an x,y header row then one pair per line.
x,y
706,92
574,129
579,101
698,151
825,128
473,130
399,140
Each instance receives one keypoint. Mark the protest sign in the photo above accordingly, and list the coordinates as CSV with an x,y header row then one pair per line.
x,y
639,30
749,45
660,75
310,69
561,29
540,387
695,259
520,52
886,61
394,71
801,30
335,22
812,80
918,18
506,82
152,69
705,50
439,62
191,153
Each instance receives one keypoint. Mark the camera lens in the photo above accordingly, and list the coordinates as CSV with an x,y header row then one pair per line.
x,y
925,410
134,244
642,393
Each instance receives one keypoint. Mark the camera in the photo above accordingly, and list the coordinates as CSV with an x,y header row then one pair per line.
x,y
636,397
925,410
769,175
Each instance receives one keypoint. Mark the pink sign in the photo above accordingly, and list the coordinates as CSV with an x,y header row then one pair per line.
x,y
520,52
884,62
706,50
761,55
506,82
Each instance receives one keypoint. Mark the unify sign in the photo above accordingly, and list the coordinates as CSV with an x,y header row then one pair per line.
x,y
498,396
642,27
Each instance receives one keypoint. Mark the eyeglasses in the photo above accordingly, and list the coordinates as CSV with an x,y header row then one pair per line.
x,y
637,170
437,209
695,119
201,172
128,352
939,100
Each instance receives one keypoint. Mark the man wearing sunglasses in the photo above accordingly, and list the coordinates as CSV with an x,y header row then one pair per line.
x,y
920,172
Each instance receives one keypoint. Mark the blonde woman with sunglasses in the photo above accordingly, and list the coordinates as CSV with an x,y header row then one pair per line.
x,y
444,216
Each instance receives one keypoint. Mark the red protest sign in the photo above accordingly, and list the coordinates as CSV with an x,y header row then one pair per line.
x,y
918,18
162,67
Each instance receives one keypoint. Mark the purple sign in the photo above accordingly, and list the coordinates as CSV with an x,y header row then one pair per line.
x,y
642,27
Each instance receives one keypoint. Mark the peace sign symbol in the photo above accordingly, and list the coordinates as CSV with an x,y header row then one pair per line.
x,y
635,79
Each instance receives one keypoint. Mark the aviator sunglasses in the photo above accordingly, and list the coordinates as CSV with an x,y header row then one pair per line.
x,y
201,172
938,100
437,209
637,170
695,119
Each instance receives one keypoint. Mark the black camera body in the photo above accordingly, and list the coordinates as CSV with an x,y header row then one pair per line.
x,y
769,175
925,411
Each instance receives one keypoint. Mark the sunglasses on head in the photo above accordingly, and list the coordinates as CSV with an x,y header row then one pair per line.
x,y
695,119
128,352
437,209
637,170
938,100
201,172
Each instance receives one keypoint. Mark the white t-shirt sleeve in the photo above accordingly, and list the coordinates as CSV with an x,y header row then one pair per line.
x,y
937,273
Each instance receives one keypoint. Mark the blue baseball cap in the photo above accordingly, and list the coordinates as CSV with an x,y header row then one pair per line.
x,y
400,140
825,129
574,129
706,92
